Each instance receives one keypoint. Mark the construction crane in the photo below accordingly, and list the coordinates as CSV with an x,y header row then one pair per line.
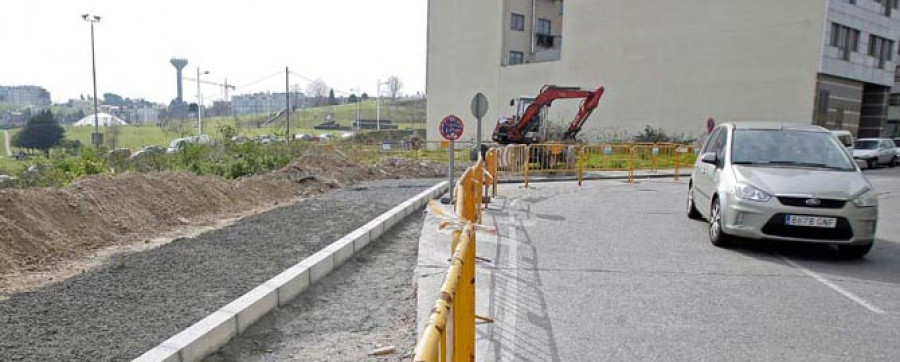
x,y
529,124
224,86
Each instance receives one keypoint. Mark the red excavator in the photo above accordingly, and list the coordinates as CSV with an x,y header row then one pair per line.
x,y
527,127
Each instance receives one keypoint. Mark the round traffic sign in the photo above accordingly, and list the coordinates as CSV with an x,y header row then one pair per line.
x,y
452,128
479,105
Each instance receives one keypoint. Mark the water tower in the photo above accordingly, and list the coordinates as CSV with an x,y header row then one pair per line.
x,y
179,64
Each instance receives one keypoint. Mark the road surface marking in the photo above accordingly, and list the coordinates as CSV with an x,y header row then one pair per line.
x,y
833,286
510,300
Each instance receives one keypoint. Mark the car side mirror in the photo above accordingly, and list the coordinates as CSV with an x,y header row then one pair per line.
x,y
512,102
709,157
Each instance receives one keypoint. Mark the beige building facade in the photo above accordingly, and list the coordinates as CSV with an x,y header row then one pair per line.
x,y
667,63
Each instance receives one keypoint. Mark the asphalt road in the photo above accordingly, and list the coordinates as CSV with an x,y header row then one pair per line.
x,y
617,272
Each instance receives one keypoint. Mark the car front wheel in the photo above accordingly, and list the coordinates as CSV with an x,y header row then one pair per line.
x,y
855,251
871,164
716,235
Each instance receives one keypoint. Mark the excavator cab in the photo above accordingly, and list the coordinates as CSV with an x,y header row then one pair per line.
x,y
533,131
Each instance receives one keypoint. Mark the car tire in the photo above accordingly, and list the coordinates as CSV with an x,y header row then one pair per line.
x,y
692,212
872,164
894,161
854,251
716,235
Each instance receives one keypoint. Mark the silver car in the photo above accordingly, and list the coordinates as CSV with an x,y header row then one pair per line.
x,y
875,151
782,182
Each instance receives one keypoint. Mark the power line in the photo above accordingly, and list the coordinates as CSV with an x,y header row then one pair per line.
x,y
261,80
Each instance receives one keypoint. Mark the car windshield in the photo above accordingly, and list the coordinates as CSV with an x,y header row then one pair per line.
x,y
866,145
789,148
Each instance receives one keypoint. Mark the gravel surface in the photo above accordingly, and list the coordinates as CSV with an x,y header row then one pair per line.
x,y
368,303
135,302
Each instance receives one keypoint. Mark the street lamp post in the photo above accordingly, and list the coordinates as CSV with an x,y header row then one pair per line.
x,y
199,104
378,106
358,99
97,138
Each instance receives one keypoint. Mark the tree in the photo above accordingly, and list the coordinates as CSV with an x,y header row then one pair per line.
x,y
318,90
394,86
364,97
352,98
112,99
332,101
42,132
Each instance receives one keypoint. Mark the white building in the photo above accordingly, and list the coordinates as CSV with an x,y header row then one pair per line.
x,y
103,120
668,63
263,103
25,96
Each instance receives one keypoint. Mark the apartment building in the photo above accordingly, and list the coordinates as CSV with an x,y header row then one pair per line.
x,y
25,96
259,103
670,63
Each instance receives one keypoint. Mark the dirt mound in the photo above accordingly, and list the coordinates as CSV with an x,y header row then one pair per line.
x,y
406,168
40,228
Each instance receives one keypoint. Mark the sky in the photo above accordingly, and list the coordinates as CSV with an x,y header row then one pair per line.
x,y
347,43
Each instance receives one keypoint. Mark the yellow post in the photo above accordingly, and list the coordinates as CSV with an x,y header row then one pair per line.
x,y
676,163
494,170
527,163
464,303
580,164
631,165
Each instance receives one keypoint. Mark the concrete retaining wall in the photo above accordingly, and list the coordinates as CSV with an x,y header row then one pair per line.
x,y
211,333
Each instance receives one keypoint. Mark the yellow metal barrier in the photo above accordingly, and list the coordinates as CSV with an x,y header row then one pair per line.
x,y
458,291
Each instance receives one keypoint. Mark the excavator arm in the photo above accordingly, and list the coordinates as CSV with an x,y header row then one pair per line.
x,y
587,107
549,94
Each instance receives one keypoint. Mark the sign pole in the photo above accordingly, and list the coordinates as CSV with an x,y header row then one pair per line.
x,y
452,158
451,129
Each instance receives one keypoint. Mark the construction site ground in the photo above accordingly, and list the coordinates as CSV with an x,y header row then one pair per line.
x,y
135,301
50,234
367,304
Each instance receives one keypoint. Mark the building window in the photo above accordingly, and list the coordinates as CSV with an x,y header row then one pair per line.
x,y
894,100
517,22
888,6
516,57
543,27
844,38
881,49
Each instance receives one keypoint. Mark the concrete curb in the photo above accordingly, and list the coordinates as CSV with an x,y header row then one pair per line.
x,y
213,332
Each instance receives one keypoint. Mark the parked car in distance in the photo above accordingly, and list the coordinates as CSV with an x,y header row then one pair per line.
x,y
267,139
147,151
784,183
875,151
240,139
178,144
845,137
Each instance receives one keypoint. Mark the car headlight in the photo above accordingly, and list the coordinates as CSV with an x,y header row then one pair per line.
x,y
867,199
747,192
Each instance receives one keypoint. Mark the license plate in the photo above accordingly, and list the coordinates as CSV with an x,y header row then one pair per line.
x,y
811,221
